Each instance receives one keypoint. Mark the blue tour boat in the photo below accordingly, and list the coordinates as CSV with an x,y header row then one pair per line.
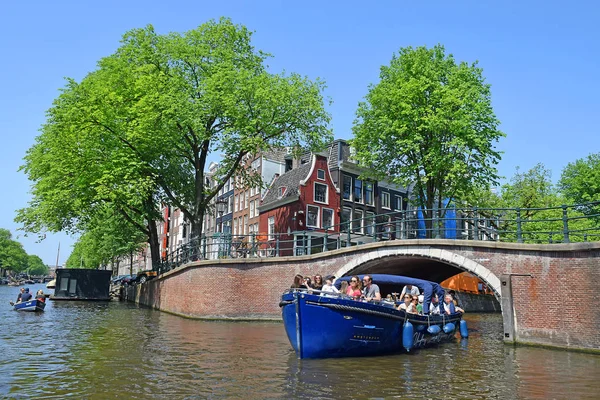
x,y
31,305
322,325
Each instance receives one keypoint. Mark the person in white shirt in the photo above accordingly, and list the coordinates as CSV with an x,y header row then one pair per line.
x,y
434,307
410,289
328,287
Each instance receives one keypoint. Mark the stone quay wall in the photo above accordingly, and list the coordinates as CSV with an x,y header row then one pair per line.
x,y
550,294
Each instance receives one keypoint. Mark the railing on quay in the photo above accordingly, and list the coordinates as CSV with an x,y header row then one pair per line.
x,y
563,224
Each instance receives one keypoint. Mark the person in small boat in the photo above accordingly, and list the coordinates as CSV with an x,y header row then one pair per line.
x,y
299,283
317,282
354,288
21,291
26,296
371,290
407,300
455,299
434,307
308,282
411,290
328,287
40,296
412,307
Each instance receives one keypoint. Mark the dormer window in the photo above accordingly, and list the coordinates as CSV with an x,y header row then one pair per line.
x,y
282,191
321,174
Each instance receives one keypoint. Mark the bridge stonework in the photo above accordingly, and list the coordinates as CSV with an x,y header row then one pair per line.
x,y
549,293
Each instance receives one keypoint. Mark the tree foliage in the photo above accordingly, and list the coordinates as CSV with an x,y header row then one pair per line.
x,y
580,182
429,123
12,255
35,266
139,130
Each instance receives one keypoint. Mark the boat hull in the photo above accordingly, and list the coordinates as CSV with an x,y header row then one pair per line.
x,y
323,327
32,305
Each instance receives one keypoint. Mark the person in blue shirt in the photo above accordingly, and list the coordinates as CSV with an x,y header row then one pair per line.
x,y
26,296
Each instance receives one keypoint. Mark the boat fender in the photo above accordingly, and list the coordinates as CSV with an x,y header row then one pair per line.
x,y
464,332
407,336
420,328
449,327
434,329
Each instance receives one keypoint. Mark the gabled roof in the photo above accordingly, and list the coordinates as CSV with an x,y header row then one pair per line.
x,y
290,180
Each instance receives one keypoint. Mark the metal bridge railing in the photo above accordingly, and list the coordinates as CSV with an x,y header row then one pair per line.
x,y
563,224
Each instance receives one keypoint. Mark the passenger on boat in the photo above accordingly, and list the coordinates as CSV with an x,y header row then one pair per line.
x,y
420,304
354,288
299,283
407,300
317,282
371,290
410,289
40,296
308,282
412,307
434,307
455,301
26,296
344,287
449,305
328,287
21,291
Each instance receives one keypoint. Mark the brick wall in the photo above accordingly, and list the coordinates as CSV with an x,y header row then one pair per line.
x,y
558,306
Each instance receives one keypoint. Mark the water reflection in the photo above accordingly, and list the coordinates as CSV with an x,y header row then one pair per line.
x,y
117,350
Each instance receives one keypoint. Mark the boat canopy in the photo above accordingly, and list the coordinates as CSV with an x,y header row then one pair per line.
x,y
394,283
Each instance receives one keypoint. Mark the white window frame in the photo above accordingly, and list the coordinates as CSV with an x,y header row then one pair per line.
x,y
236,203
271,228
396,203
319,171
308,207
332,225
362,189
247,198
385,195
252,209
370,218
315,193
365,193
360,218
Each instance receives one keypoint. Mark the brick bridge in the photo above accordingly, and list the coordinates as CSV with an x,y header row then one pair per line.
x,y
549,293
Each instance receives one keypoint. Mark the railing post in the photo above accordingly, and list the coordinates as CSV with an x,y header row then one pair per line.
x,y
325,238
475,224
519,231
277,245
403,226
203,239
435,223
338,242
253,252
348,236
565,219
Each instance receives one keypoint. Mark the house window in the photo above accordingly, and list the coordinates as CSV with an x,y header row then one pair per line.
x,y
256,164
347,187
398,204
252,209
236,203
235,226
321,174
327,219
370,223
312,216
369,193
247,197
271,228
345,219
241,201
358,190
282,191
357,221
245,224
320,193
385,200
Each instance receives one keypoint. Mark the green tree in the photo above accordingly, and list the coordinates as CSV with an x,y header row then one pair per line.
x,y
12,255
141,128
35,266
580,182
429,124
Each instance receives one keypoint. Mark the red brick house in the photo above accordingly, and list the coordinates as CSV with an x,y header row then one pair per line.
x,y
299,213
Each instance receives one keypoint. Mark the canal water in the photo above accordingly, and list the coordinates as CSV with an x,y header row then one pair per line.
x,y
78,350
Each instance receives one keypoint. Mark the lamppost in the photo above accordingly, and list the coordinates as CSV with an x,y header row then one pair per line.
x,y
220,206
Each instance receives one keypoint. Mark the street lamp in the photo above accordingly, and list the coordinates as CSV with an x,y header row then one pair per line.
x,y
221,206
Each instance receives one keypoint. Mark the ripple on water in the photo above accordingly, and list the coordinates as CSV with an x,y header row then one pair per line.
x,y
78,350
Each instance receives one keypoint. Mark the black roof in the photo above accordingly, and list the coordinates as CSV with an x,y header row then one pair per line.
x,y
290,180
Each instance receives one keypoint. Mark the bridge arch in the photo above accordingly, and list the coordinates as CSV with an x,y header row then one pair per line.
x,y
385,260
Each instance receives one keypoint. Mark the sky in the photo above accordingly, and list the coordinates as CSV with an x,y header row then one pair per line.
x,y
541,58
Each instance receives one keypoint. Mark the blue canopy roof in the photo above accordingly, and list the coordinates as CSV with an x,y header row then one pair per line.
x,y
395,283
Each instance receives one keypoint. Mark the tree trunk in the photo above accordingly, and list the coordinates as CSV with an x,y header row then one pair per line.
x,y
153,242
